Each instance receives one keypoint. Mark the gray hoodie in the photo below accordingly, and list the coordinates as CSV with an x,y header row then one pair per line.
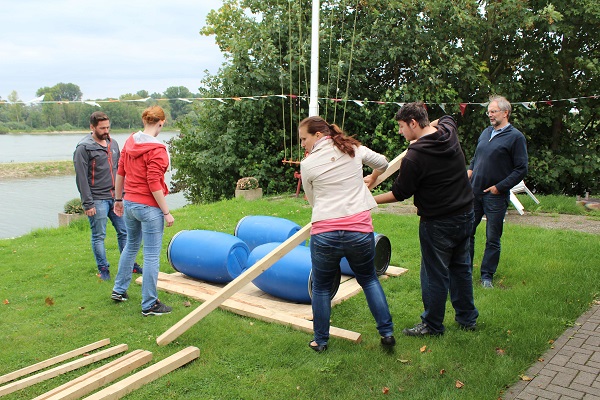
x,y
96,169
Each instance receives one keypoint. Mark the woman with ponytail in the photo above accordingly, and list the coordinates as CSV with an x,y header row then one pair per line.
x,y
332,178
141,179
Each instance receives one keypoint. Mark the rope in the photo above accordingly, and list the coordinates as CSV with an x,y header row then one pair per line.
x,y
350,62
281,71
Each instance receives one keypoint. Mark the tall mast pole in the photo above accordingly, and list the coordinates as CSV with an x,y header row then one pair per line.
x,y
313,105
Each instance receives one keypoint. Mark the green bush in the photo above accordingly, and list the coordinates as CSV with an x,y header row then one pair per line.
x,y
74,207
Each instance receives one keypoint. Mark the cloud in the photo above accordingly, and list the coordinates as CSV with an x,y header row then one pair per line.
x,y
108,48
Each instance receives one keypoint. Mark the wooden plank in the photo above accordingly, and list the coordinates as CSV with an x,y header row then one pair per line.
x,y
153,372
61,369
267,314
232,287
101,378
393,166
54,360
82,378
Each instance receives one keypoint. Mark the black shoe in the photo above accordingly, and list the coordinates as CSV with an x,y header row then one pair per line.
x,y
421,329
388,341
157,309
104,273
469,328
317,347
119,296
137,269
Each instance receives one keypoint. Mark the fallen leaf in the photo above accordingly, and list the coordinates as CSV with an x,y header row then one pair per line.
x,y
525,378
6,301
187,304
508,332
404,361
81,308
499,351
385,390
442,371
551,341
49,301
540,359
459,384
422,349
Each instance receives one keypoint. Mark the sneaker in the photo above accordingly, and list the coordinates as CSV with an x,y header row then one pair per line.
x,y
388,341
468,328
157,309
487,283
119,296
420,329
104,273
137,268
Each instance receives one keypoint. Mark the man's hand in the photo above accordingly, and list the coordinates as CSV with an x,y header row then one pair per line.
x,y
492,189
91,212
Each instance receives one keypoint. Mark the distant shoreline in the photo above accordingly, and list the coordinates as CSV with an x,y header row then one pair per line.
x,y
13,170
83,132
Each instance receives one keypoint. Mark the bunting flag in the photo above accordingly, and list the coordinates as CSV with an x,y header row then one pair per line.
x,y
528,105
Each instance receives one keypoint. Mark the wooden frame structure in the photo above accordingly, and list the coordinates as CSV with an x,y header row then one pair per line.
x,y
258,268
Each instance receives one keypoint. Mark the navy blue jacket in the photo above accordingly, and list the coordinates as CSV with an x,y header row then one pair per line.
x,y
501,161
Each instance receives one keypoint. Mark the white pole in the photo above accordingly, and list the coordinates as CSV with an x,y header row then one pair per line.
x,y
313,105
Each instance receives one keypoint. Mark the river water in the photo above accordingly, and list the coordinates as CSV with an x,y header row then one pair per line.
x,y
28,204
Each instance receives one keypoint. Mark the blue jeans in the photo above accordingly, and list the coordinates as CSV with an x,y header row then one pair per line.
x,y
144,223
326,250
446,266
104,211
494,207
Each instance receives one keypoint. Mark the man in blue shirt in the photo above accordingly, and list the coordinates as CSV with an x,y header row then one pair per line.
x,y
500,162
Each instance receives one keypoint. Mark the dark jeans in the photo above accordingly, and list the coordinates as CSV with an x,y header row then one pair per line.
x,y
446,266
494,207
326,250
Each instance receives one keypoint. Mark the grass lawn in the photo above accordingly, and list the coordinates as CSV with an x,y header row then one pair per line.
x,y
52,302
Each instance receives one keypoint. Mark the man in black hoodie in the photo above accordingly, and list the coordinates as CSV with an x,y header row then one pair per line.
x,y
434,172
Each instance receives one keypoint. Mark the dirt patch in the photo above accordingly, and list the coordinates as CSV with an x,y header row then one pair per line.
x,y
580,223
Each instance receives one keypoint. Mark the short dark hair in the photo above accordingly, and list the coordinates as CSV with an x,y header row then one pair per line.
x,y
98,116
416,111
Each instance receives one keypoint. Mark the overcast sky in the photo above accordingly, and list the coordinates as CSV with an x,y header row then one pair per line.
x,y
107,48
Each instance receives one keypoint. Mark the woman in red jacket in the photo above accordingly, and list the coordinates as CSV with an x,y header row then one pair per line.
x,y
142,166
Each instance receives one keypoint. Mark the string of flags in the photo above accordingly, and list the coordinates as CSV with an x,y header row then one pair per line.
x,y
529,105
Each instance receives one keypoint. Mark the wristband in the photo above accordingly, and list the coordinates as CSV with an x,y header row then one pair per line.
x,y
118,199
167,213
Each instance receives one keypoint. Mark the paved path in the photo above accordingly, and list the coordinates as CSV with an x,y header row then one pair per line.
x,y
571,370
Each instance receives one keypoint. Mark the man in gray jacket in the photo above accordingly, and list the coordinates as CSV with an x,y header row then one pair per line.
x,y
96,158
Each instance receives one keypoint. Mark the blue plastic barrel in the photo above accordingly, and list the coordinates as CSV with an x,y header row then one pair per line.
x,y
255,230
290,277
383,254
207,255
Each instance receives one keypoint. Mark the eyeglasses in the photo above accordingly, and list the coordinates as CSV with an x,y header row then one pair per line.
x,y
490,112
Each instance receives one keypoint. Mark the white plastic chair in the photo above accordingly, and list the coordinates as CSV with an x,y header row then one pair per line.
x,y
520,188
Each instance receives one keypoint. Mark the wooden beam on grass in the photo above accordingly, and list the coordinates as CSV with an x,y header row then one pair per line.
x,y
61,369
99,377
153,372
234,286
54,360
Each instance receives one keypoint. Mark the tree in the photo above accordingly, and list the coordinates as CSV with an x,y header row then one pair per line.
x,y
16,107
178,107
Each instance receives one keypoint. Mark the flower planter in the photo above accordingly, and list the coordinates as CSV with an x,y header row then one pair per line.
x,y
249,194
65,219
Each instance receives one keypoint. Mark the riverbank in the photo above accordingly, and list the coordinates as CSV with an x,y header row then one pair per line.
x,y
36,169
